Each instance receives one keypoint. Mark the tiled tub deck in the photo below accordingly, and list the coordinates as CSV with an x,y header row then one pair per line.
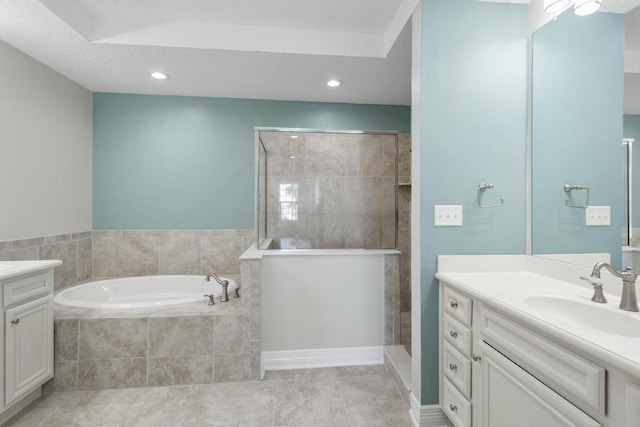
x,y
190,344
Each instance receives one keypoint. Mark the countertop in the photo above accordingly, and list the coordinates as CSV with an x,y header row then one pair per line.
x,y
11,269
518,293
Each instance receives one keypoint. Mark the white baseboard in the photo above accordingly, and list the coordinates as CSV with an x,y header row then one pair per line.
x,y
321,358
427,415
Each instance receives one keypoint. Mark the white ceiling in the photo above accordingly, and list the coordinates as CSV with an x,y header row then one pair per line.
x,y
276,49
222,48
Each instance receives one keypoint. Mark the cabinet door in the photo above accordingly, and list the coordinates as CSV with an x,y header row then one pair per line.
x,y
28,347
631,405
512,397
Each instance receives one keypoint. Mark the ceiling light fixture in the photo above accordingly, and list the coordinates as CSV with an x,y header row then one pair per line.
x,y
334,83
554,7
158,75
586,7
294,136
580,7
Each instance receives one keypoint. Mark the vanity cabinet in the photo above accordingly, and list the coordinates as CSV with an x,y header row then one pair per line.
x,y
495,372
27,347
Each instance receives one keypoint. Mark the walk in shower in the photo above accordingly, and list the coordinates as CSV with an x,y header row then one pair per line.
x,y
326,190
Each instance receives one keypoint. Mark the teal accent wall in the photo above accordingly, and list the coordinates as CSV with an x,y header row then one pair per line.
x,y
631,125
577,113
474,129
168,162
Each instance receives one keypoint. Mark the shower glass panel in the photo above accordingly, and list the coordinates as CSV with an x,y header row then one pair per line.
x,y
326,190
261,185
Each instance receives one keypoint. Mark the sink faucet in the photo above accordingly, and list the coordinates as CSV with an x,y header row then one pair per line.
x,y
223,283
629,301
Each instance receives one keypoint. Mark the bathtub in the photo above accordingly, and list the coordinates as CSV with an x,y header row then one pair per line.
x,y
141,292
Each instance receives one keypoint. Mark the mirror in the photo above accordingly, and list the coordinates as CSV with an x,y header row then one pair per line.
x,y
577,130
631,133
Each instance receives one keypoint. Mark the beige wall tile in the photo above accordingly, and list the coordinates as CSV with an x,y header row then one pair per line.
x,y
102,374
232,367
180,370
136,257
112,338
65,339
66,274
181,336
178,254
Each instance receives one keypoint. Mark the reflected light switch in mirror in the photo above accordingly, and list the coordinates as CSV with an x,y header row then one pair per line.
x,y
598,215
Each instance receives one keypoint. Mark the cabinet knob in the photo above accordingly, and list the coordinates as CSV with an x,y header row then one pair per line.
x,y
453,304
453,334
453,367
15,322
475,357
453,407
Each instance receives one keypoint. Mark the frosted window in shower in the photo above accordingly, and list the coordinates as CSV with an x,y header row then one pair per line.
x,y
288,202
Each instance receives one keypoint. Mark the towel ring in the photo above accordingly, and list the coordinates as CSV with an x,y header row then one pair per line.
x,y
568,188
481,189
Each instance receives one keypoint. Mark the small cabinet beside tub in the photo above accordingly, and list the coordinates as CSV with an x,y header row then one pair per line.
x,y
498,371
27,326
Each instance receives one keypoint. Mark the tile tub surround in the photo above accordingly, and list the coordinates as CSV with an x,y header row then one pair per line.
x,y
337,397
201,345
125,253
74,249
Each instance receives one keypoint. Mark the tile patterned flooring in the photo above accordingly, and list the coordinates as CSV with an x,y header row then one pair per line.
x,y
331,397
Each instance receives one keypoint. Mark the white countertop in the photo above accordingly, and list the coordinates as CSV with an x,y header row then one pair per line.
x,y
11,269
515,292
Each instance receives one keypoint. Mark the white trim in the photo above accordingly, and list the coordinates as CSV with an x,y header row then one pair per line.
x,y
427,415
321,358
416,201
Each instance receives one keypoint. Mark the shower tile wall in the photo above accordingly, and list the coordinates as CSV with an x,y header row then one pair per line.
x,y
345,184
74,250
404,238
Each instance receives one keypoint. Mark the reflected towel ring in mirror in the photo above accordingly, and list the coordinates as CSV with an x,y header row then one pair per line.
x,y
569,188
481,189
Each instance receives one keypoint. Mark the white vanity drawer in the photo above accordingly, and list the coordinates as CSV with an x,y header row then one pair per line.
x,y
457,334
457,369
458,305
578,380
26,288
457,408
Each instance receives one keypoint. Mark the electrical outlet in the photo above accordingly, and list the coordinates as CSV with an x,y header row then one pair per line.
x,y
599,215
447,215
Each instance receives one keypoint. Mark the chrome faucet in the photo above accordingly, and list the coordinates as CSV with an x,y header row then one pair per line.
x,y
223,283
628,301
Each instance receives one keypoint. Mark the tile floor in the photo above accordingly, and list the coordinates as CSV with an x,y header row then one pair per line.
x,y
335,397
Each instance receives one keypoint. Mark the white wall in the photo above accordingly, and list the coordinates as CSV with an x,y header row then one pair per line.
x,y
326,301
45,150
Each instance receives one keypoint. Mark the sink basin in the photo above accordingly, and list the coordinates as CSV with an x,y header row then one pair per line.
x,y
606,318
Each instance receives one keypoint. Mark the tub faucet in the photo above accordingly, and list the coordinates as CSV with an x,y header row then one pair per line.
x,y
628,301
223,283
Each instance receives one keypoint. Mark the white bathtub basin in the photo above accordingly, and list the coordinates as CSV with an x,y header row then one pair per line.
x,y
141,292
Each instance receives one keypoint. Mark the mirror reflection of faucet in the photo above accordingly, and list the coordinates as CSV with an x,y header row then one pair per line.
x,y
629,300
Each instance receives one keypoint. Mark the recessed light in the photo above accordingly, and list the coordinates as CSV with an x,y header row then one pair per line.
x,y
159,75
292,157
294,136
334,83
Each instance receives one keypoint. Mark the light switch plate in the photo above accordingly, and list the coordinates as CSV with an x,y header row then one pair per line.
x,y
447,215
599,215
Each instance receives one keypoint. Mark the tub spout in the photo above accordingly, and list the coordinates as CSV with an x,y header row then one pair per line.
x,y
223,283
